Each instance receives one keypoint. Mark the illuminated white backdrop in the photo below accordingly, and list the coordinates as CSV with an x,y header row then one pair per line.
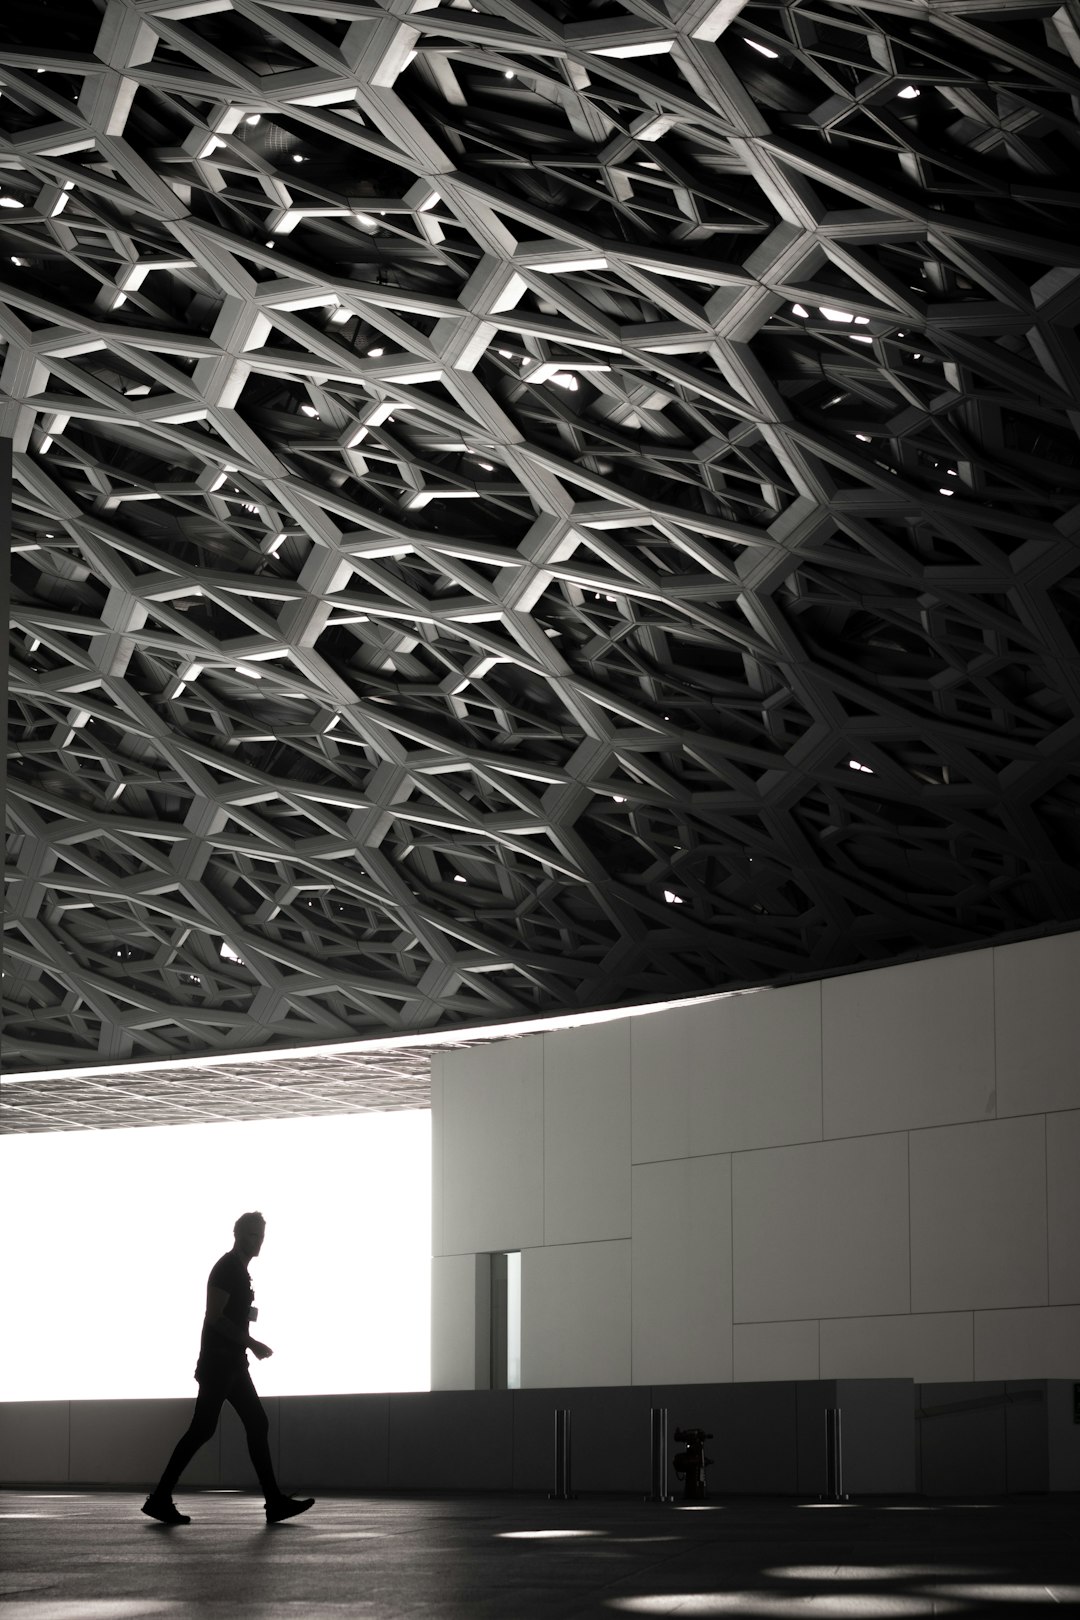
x,y
109,1237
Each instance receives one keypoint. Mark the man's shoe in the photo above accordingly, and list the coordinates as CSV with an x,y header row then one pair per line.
x,y
164,1510
287,1507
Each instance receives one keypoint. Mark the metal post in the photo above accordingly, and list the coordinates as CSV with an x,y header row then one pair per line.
x,y
658,1455
562,1491
834,1460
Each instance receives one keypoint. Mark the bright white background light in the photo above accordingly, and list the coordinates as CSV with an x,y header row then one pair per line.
x,y
106,1287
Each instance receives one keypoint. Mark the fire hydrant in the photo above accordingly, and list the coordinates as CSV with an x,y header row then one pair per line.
x,y
690,1465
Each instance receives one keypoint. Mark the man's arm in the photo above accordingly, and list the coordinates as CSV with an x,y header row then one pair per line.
x,y
216,1301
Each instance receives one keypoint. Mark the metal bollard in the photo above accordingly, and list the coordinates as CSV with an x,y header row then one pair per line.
x,y
562,1491
834,1459
658,1455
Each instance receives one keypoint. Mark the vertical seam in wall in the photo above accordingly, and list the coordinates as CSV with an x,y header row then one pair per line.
x,y
993,1027
627,1057
438,1212
631,1276
630,1072
1046,1197
442,1155
821,1054
910,1293
69,1442
543,1141
731,1238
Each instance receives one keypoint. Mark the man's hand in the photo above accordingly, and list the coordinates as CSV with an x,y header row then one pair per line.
x,y
260,1350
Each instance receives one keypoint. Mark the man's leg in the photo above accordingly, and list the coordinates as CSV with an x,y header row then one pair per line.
x,y
204,1420
242,1397
252,1414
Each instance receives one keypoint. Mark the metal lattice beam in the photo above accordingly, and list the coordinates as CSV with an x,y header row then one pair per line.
x,y
522,507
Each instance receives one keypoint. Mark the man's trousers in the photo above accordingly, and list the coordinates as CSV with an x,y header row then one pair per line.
x,y
217,1384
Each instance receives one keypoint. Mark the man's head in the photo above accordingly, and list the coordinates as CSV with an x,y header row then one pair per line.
x,y
248,1234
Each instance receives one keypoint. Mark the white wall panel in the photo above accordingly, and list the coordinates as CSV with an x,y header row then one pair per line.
x,y
587,1133
821,1230
126,1442
776,1350
909,1046
454,1323
660,1060
928,1349
335,1442
437,1246
1028,1344
576,1141
33,1442
1037,1014
575,1315
737,1072
682,1271
493,1146
978,1216
1063,1206
754,1070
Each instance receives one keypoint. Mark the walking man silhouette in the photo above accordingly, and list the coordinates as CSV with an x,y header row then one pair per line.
x,y
222,1375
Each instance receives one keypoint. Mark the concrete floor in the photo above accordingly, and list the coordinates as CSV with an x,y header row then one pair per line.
x,y
92,1556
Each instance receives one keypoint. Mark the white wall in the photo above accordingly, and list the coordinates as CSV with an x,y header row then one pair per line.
x,y
869,1176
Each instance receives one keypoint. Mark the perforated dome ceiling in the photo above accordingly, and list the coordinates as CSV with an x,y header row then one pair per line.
x,y
529,506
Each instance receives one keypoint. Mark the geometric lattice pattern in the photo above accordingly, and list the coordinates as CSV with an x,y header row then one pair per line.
x,y
525,506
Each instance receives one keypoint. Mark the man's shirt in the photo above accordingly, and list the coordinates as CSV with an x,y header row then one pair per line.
x,y
230,1275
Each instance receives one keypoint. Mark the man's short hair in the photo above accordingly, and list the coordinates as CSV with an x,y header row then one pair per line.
x,y
252,1218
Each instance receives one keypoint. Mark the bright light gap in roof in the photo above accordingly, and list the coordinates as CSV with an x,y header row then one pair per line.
x,y
388,1043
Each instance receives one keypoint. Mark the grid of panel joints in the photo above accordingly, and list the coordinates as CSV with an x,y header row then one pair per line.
x,y
274,1088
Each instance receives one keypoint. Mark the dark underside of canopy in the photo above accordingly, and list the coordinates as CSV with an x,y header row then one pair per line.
x,y
523,507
